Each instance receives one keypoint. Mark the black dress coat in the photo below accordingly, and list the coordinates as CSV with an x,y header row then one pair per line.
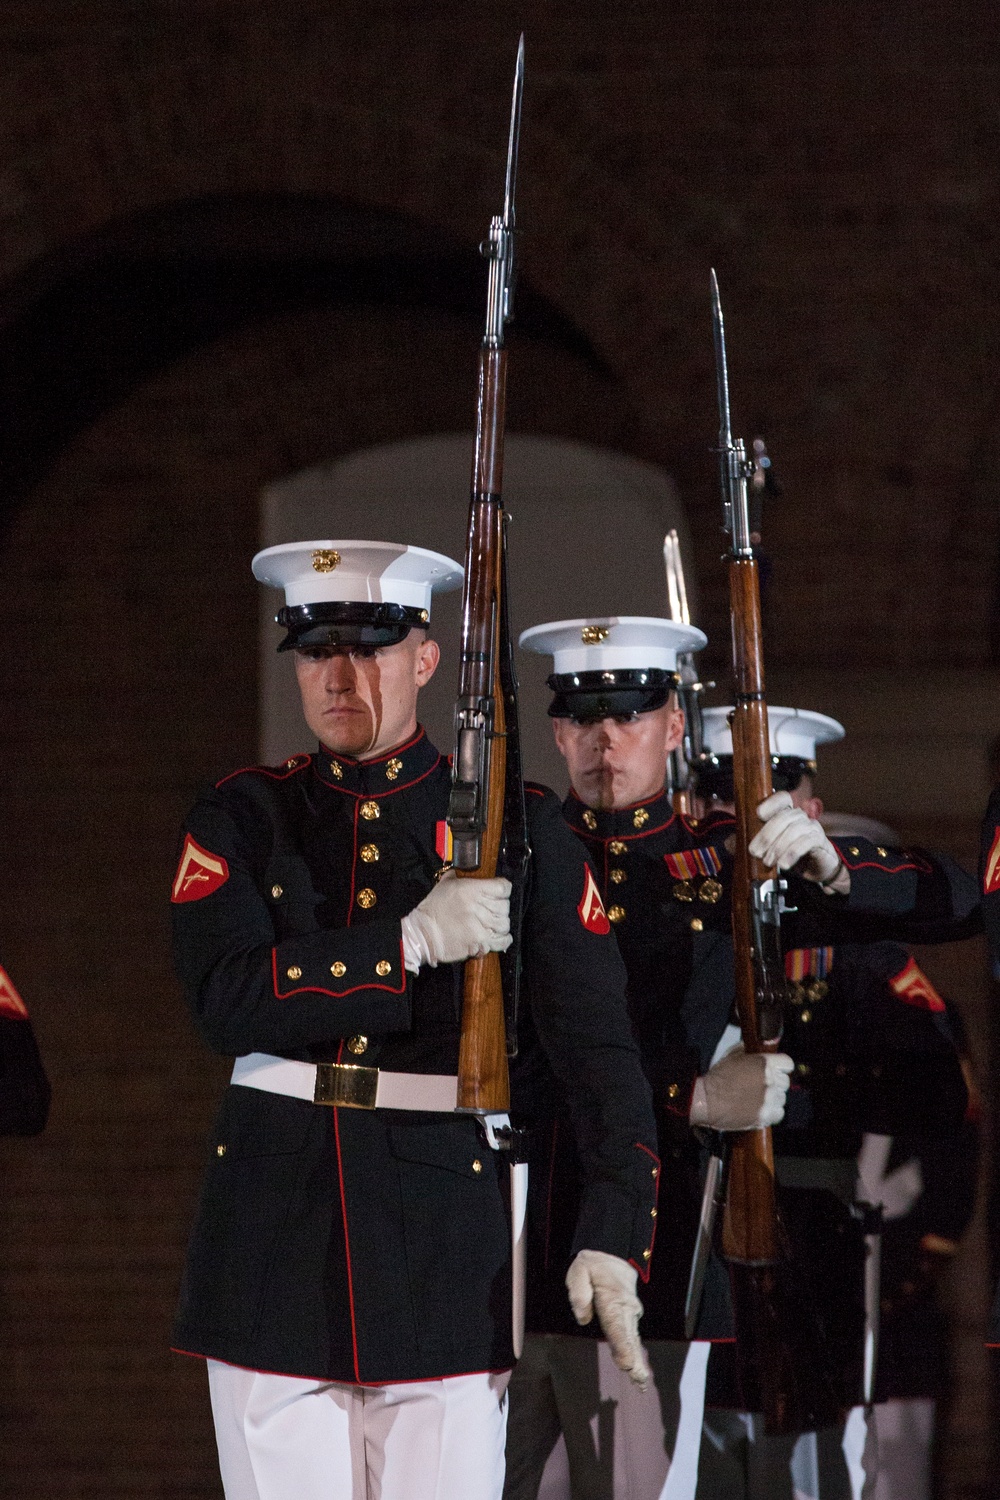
x,y
373,1246
866,1059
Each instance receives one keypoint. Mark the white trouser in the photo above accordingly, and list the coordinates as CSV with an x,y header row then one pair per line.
x,y
897,1455
579,1427
282,1438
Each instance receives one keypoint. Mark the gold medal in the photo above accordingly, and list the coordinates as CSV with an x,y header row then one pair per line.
x,y
710,891
683,890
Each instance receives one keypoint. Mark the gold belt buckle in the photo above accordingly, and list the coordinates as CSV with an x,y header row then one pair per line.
x,y
346,1085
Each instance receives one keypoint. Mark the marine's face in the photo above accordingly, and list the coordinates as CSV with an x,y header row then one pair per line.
x,y
617,762
362,702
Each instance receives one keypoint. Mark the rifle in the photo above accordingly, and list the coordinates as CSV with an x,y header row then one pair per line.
x,y
778,1342
486,812
684,760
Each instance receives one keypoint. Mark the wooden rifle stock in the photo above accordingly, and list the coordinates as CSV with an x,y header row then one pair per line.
x,y
749,1231
483,1083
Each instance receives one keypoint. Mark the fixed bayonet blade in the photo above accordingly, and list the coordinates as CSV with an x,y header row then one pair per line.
x,y
676,590
712,1200
721,372
512,140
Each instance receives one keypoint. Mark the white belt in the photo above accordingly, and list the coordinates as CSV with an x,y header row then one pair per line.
x,y
347,1085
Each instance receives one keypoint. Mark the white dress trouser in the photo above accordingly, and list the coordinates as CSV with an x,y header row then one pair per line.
x,y
282,1438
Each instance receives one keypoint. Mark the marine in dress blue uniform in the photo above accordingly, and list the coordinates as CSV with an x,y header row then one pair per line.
x,y
353,1246
664,880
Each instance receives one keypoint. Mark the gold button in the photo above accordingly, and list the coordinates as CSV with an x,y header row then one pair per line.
x,y
357,1045
338,969
477,1165
616,913
640,818
617,847
220,1150
617,876
647,1255
370,810
854,850
392,769
369,853
291,761
673,1091
337,769
805,1015
656,1171
652,1213
589,820
275,892
802,1068
697,925
366,898
383,967
294,972
881,852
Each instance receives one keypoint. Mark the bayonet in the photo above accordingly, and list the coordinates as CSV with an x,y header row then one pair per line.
x,y
500,246
734,470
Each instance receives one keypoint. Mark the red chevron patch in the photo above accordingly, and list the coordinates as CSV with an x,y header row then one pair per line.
x,y
198,874
11,1003
991,875
912,986
591,909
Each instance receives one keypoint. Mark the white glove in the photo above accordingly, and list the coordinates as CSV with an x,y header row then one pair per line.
x,y
457,919
791,839
607,1283
744,1091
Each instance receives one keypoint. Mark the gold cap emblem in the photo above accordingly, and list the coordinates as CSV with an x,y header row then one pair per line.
x,y
325,559
393,768
593,635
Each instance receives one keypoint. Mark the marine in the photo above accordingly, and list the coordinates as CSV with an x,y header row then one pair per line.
x,y
664,881
349,1273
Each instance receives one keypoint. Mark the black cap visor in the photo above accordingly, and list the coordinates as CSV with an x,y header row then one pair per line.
x,y
589,696
348,624
714,775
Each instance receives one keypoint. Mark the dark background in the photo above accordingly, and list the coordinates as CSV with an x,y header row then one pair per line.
x,y
238,239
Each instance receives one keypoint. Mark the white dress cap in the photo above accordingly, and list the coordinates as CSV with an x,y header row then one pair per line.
x,y
357,573
612,643
792,731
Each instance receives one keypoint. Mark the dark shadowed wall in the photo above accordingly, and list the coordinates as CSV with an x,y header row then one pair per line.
x,y
237,240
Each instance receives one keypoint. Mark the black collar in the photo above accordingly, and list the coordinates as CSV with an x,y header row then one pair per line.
x,y
392,772
639,821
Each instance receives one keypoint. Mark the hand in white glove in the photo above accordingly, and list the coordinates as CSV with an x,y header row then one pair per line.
x,y
744,1091
596,1280
457,919
791,839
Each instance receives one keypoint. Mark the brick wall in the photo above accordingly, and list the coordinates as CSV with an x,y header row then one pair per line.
x,y
837,164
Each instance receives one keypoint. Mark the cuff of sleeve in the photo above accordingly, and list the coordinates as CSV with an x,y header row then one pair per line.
x,y
340,961
622,1220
